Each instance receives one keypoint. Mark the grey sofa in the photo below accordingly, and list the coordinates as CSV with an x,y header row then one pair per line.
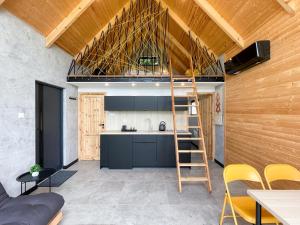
x,y
40,209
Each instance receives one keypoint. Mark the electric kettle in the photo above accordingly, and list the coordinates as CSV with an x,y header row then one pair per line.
x,y
162,126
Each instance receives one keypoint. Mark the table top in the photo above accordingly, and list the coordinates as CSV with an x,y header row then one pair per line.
x,y
283,204
26,177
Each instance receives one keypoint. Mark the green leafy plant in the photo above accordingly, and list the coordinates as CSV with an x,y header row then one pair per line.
x,y
35,168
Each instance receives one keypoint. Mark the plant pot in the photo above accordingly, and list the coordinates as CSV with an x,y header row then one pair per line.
x,y
34,174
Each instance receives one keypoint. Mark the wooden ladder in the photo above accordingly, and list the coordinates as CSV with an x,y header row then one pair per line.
x,y
190,83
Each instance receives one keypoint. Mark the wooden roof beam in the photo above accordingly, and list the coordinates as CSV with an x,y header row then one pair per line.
x,y
112,22
288,5
67,22
182,24
1,2
221,22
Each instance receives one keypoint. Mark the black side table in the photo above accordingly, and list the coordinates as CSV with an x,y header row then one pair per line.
x,y
26,177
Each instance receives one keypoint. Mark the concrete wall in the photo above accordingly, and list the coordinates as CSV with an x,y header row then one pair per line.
x,y
23,60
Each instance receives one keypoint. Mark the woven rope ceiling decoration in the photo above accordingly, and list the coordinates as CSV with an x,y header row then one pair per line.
x,y
137,44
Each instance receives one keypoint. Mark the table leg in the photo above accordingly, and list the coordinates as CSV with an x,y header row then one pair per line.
x,y
50,184
258,214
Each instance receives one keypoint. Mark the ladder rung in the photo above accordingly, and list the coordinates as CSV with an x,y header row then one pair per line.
x,y
182,78
190,151
193,179
184,105
188,138
192,164
183,86
185,96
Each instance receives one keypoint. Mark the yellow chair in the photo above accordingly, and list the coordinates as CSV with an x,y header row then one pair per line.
x,y
243,206
275,172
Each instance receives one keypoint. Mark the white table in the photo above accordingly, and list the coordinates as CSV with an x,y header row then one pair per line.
x,y
283,204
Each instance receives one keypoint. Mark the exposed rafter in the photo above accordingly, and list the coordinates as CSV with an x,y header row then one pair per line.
x,y
181,23
221,22
288,5
111,22
67,22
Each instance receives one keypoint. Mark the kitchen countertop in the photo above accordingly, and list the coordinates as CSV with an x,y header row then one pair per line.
x,y
143,132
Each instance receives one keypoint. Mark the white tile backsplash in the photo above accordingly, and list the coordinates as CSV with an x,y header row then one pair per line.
x,y
143,120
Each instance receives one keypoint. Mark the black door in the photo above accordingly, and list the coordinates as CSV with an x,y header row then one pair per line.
x,y
48,126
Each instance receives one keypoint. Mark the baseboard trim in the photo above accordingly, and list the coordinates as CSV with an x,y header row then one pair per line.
x,y
70,164
29,191
219,163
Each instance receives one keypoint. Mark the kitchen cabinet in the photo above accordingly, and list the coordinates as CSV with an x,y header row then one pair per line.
x,y
145,103
166,151
164,103
119,103
119,151
127,151
142,103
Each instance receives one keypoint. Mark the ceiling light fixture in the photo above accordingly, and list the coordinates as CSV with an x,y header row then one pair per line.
x,y
106,84
133,84
157,84
182,84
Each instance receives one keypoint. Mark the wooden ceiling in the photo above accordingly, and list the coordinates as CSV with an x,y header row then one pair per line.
x,y
72,24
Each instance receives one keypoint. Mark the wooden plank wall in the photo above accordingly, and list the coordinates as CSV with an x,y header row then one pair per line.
x,y
262,119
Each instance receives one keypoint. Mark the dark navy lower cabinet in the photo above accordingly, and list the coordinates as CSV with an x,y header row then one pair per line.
x,y
120,152
166,151
128,151
144,154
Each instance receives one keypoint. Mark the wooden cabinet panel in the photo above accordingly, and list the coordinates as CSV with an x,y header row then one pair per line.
x,y
164,103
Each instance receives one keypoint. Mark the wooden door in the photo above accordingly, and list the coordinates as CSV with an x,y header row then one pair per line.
x,y
91,124
206,110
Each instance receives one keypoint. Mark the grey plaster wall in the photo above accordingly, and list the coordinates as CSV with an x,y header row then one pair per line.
x,y
23,60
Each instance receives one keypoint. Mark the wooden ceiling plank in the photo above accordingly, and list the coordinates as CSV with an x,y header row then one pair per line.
x,y
112,22
221,22
288,6
183,25
67,22
174,41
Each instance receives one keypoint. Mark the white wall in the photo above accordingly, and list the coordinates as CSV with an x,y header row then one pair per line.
x,y
140,89
23,60
141,119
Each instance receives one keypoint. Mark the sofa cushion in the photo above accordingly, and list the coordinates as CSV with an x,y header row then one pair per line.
x,y
31,209
3,196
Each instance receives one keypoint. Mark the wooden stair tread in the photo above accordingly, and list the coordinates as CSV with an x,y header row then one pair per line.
x,y
194,179
191,151
192,164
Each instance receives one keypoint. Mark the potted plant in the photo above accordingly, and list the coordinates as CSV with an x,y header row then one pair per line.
x,y
35,170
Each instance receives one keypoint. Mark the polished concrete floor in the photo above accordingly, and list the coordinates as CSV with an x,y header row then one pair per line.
x,y
146,196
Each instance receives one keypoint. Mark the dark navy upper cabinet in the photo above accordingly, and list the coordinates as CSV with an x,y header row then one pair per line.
x,y
145,103
119,103
164,103
142,103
